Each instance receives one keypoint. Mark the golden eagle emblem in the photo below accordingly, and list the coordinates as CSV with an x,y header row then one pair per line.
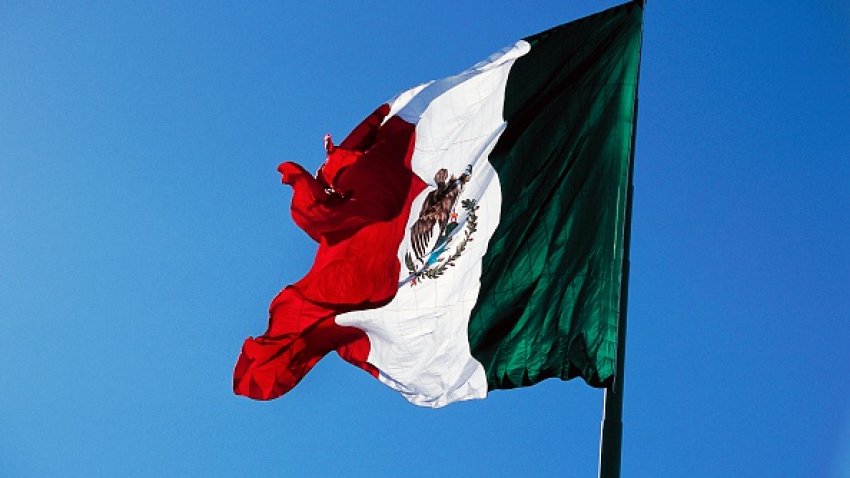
x,y
436,225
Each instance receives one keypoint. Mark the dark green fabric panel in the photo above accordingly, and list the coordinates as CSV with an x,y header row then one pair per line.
x,y
550,285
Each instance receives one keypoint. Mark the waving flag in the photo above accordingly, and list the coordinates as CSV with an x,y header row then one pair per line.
x,y
470,231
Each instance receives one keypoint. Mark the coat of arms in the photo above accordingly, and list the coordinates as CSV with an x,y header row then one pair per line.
x,y
436,228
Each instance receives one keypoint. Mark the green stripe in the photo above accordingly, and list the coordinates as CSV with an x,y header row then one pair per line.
x,y
550,284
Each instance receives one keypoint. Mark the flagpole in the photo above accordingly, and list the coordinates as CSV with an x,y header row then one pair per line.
x,y
611,435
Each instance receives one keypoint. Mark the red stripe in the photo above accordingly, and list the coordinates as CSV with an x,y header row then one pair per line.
x,y
359,227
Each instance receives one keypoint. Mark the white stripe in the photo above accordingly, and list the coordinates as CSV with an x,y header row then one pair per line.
x,y
419,340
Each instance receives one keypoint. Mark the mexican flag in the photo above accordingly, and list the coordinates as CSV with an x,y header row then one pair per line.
x,y
471,230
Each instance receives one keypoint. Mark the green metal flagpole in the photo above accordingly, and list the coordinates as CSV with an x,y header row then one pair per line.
x,y
611,436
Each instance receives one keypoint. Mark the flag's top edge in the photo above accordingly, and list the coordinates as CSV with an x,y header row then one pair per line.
x,y
411,104
615,10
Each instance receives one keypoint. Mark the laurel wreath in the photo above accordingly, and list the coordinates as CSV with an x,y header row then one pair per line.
x,y
433,272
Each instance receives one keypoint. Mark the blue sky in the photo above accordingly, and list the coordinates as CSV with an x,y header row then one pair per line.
x,y
143,232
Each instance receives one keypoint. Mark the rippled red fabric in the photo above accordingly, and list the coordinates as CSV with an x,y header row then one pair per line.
x,y
356,208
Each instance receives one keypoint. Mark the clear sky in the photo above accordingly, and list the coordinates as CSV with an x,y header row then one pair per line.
x,y
143,232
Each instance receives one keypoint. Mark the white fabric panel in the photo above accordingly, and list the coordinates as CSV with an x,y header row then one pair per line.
x,y
419,341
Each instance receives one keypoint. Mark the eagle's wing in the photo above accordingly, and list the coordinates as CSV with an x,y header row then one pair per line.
x,y
422,230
